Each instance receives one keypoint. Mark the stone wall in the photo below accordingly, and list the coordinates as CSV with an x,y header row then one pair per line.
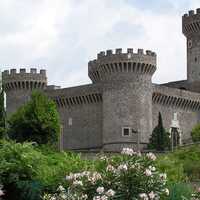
x,y
80,110
169,101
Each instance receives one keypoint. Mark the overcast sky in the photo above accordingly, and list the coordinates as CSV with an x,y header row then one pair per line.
x,y
63,35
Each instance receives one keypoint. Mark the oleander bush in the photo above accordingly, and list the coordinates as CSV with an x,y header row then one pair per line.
x,y
130,176
27,172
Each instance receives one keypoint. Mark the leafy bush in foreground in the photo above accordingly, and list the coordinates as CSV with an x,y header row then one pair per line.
x,y
129,176
27,171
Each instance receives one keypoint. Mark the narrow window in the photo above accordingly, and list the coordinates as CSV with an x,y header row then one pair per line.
x,y
126,131
70,121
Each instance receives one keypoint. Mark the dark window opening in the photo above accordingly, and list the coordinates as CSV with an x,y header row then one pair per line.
x,y
126,131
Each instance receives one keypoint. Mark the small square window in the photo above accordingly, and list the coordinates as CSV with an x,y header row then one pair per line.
x,y
126,131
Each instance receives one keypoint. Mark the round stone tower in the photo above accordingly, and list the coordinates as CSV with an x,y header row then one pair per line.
x,y
127,96
191,30
19,86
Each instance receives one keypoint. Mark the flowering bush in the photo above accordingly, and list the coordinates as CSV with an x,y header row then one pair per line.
x,y
130,176
1,191
196,195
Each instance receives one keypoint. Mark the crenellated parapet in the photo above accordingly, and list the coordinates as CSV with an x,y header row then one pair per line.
x,y
191,22
176,98
112,65
76,96
23,80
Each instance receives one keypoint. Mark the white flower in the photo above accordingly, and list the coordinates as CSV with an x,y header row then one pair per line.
x,y
100,190
143,196
123,167
63,196
166,191
61,188
104,197
127,151
151,156
1,192
96,198
84,196
152,168
78,183
152,195
110,193
94,177
70,177
163,176
110,168
148,172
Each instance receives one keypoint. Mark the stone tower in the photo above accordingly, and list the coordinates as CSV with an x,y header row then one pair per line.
x,y
191,30
19,86
127,96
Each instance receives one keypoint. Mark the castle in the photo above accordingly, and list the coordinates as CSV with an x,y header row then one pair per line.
x,y
120,108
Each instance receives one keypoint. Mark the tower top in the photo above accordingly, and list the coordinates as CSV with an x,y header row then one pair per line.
x,y
191,23
12,79
119,65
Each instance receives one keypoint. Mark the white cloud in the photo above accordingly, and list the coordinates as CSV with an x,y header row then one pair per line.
x,y
63,35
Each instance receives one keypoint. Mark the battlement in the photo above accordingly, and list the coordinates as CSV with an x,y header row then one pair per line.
x,y
129,53
22,79
109,63
24,71
192,13
191,22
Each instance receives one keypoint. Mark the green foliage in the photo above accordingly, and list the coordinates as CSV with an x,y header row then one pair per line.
x,y
173,168
2,116
180,191
160,138
183,162
26,171
36,121
19,162
129,176
196,133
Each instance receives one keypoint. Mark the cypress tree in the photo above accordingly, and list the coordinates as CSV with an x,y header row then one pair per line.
x,y
160,138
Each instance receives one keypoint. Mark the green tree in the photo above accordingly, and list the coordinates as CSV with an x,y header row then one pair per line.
x,y
2,115
196,133
37,121
160,138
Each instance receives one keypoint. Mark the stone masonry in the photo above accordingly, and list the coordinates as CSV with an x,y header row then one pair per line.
x,y
120,108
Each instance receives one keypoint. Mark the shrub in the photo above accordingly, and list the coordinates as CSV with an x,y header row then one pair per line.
x,y
2,116
160,138
180,191
35,121
196,133
26,171
129,176
19,162
172,167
